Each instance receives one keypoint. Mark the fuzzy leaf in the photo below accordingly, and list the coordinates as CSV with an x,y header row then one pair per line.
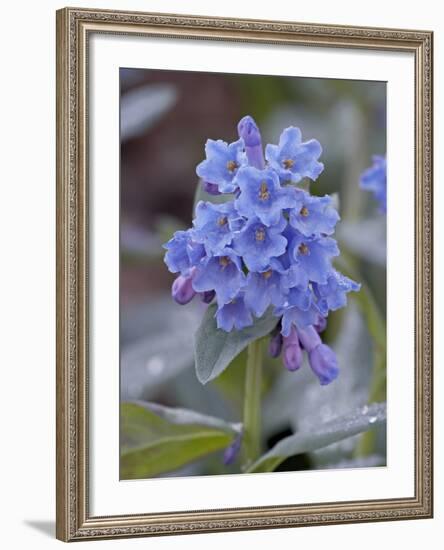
x,y
180,416
157,439
335,430
215,348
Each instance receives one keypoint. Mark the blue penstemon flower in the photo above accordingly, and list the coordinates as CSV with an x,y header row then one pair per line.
x,y
269,245
314,255
222,273
183,252
294,160
262,196
313,216
333,294
267,287
257,244
234,314
214,225
220,167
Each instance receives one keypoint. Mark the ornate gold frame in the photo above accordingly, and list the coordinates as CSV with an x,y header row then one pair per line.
x,y
74,26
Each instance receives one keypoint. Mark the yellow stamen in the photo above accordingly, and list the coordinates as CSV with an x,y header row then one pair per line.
x,y
267,274
224,261
222,221
263,192
288,163
304,211
303,249
232,165
260,234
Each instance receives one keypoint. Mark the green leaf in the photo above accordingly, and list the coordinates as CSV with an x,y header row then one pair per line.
x,y
179,416
215,348
157,439
335,430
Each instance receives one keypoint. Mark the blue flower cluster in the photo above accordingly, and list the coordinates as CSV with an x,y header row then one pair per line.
x,y
268,245
374,179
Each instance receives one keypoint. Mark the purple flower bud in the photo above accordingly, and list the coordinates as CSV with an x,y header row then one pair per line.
x,y
182,290
309,338
207,296
324,363
292,352
321,324
211,188
232,451
275,345
249,132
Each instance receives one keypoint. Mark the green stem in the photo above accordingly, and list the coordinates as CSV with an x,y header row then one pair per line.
x,y
252,404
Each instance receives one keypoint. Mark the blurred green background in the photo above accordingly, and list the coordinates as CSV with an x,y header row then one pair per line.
x,y
166,117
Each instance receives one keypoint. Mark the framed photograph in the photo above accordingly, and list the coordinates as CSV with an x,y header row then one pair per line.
x,y
244,274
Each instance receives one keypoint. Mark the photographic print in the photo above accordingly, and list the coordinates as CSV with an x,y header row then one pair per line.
x,y
244,314
252,273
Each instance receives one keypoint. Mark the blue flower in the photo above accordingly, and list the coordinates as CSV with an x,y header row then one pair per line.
x,y
213,225
266,287
299,310
374,179
233,314
221,273
295,276
222,163
294,160
333,294
182,252
261,195
314,216
292,273
257,243
314,255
